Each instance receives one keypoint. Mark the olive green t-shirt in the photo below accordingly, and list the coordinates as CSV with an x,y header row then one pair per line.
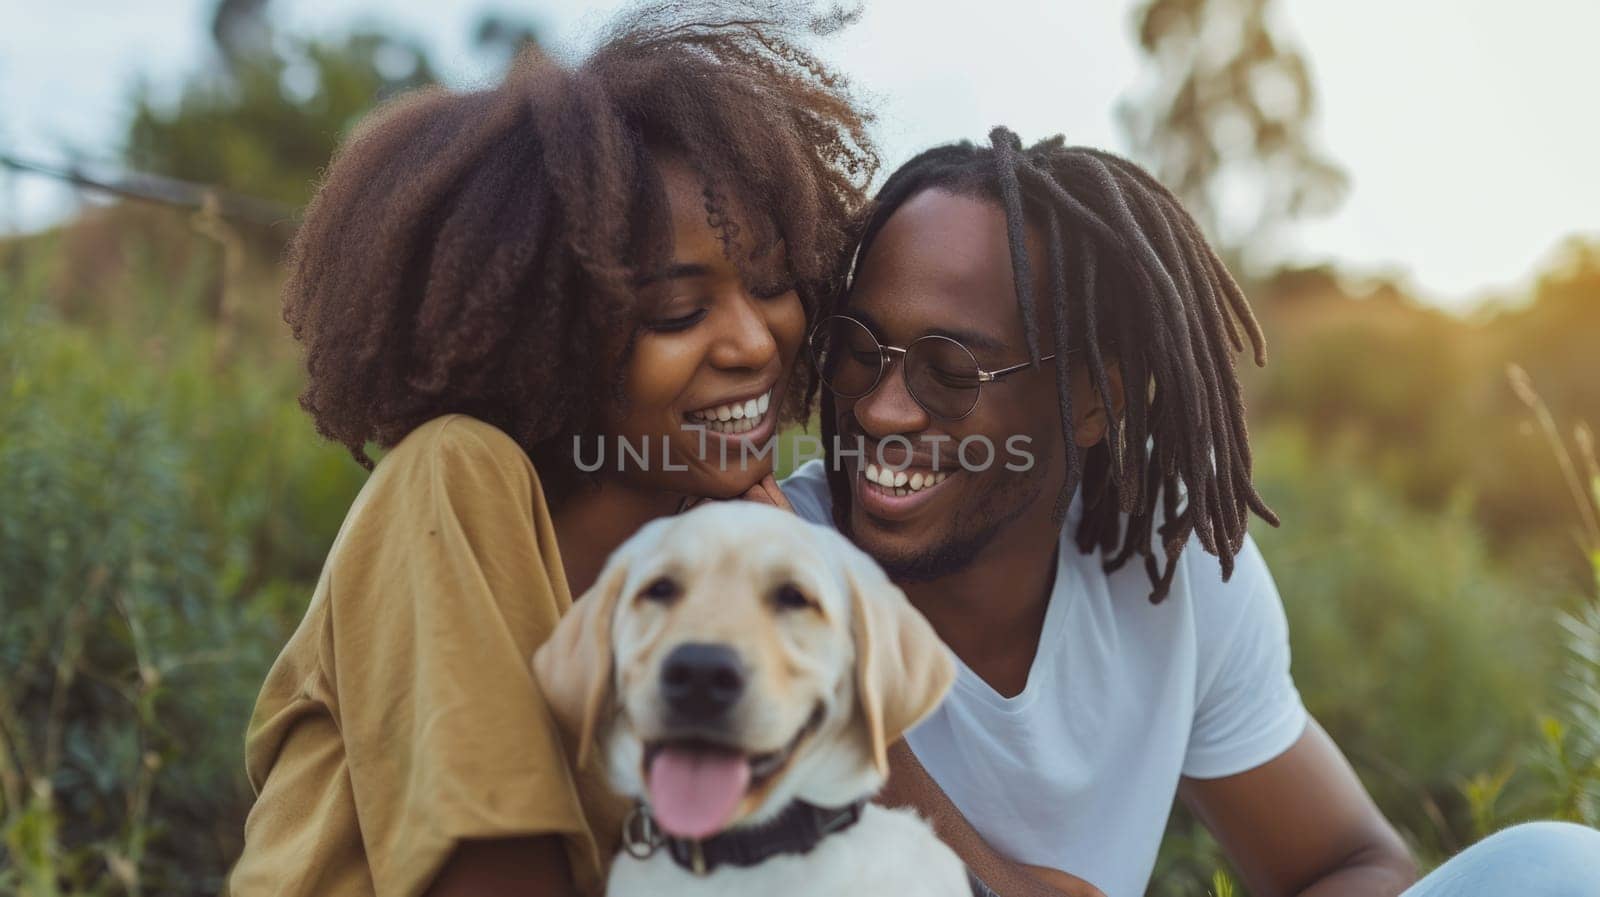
x,y
403,717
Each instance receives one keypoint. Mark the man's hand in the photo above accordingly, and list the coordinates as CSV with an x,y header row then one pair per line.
x,y
910,785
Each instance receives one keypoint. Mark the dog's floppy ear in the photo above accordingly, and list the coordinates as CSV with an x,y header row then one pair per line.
x,y
903,669
575,667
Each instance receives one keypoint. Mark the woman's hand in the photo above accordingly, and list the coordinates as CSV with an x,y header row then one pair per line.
x,y
765,492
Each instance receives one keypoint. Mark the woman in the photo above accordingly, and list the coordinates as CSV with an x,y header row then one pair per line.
x,y
493,286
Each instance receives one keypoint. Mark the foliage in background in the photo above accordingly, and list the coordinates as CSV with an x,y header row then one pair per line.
x,y
1418,397
166,512
1426,660
1559,777
167,506
268,123
1226,121
265,120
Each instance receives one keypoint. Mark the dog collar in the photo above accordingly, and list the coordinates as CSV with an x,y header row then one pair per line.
x,y
797,829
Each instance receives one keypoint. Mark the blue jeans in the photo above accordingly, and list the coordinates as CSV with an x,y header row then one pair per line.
x,y
1538,859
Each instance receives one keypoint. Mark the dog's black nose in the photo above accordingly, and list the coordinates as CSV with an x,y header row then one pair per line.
x,y
700,682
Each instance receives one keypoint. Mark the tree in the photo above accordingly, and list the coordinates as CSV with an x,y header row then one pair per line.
x,y
505,36
264,118
1227,122
268,118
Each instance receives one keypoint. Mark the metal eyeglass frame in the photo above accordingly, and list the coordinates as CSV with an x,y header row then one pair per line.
x,y
885,353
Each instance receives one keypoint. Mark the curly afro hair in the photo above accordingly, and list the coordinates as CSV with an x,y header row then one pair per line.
x,y
478,252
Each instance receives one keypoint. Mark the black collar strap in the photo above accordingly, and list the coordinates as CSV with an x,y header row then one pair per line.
x,y
797,829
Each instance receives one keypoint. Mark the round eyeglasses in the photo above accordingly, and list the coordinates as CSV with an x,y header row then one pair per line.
x,y
941,374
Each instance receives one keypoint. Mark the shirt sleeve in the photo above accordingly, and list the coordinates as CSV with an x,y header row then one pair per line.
x,y
446,583
1247,709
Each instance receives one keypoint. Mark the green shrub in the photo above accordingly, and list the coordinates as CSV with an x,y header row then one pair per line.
x,y
1559,777
1423,660
165,513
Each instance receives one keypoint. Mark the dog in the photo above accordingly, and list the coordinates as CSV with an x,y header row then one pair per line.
x,y
742,673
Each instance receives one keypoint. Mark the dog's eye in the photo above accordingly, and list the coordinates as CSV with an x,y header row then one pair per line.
x,y
662,589
788,597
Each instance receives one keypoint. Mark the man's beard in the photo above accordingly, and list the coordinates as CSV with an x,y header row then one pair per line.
x,y
970,534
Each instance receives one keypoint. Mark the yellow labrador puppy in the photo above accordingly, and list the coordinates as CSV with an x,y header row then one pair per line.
x,y
742,673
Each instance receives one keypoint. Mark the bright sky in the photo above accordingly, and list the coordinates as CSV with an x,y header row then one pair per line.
x,y
1467,126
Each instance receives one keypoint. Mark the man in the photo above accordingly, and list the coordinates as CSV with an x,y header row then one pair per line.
x,y
1029,384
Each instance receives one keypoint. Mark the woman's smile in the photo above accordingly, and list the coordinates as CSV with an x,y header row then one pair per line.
x,y
715,385
742,414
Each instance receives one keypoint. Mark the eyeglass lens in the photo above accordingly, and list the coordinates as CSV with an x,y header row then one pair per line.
x,y
941,374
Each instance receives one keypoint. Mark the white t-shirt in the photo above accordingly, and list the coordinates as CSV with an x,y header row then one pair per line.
x,y
1079,771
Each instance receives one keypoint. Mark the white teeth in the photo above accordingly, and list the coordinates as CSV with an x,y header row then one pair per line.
x,y
739,417
733,414
900,482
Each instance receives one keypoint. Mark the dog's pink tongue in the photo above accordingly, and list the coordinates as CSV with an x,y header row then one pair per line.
x,y
693,793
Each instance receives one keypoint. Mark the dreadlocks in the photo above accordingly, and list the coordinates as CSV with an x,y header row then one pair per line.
x,y
1128,269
